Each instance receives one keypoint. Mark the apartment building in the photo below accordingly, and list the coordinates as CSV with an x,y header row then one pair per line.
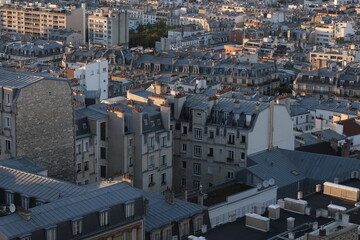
x,y
91,146
214,135
109,27
52,209
92,75
38,121
134,141
41,21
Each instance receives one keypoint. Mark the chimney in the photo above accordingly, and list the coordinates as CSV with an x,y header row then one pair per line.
x,y
237,103
169,195
318,187
334,144
299,195
146,206
200,198
322,231
24,213
345,149
315,226
185,194
165,115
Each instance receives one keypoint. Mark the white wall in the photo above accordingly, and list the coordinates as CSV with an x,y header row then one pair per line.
x,y
238,205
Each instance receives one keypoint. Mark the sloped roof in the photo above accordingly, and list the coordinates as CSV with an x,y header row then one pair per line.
x,y
280,164
37,186
23,164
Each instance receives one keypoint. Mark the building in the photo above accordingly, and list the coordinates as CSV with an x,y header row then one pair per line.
x,y
109,27
92,75
52,209
38,121
214,136
41,21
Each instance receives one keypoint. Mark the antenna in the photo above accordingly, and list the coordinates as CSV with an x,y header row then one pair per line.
x,y
12,208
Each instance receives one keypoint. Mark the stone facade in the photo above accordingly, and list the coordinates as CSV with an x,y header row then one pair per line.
x,y
44,126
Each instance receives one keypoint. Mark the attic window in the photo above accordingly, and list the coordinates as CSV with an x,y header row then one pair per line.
x,y
296,173
146,122
152,124
158,122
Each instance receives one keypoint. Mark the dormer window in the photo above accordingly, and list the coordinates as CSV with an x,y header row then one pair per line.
x,y
104,218
77,226
129,209
25,201
9,197
51,233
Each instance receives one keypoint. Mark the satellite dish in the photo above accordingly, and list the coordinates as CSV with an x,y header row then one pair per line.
x,y
265,183
272,182
259,186
12,208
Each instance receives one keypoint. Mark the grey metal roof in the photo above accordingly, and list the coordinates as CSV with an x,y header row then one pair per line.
x,y
67,209
37,186
162,213
23,164
21,79
279,164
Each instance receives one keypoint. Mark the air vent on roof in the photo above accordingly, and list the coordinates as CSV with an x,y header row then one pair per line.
x,y
298,206
257,222
341,191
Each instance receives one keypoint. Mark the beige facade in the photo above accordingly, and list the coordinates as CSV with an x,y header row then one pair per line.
x,y
39,21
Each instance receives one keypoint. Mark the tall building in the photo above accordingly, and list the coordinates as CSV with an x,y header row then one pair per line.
x,y
40,21
109,27
37,121
213,137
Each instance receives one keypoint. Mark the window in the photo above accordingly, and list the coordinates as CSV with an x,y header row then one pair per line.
x,y
102,171
163,141
230,155
51,234
210,169
78,149
77,227
7,122
7,145
231,138
126,236
243,139
197,168
184,147
184,130
86,147
197,133
211,152
152,142
155,236
104,218
183,182
104,69
25,202
9,197
151,179
183,164
230,174
103,153
184,229
26,238
242,156
7,98
167,234
78,167
163,178
86,166
129,209
198,222
103,131
211,134
163,160
197,151
151,162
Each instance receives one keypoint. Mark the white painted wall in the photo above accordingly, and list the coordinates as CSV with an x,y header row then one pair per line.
x,y
238,205
94,76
